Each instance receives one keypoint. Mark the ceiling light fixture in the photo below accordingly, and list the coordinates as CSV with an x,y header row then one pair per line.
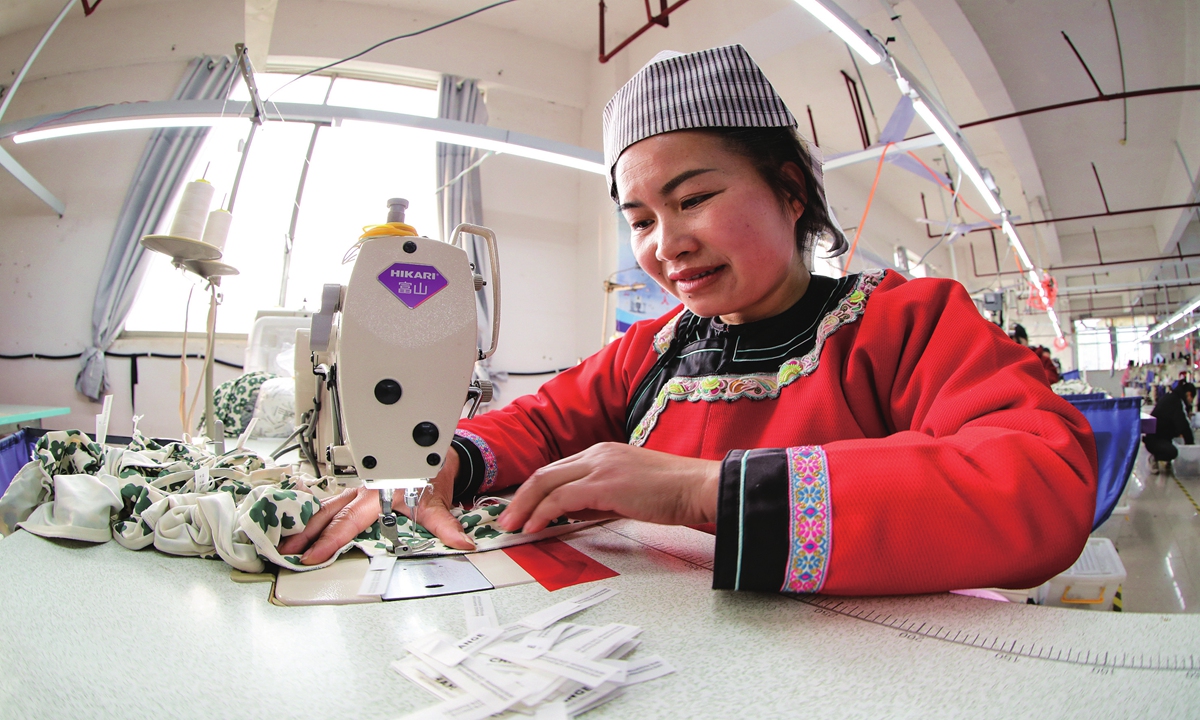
x,y
114,125
836,19
1178,315
209,113
947,132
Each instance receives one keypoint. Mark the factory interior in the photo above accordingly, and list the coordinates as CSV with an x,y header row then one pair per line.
x,y
188,185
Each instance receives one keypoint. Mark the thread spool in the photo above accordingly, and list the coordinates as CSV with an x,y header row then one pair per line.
x,y
216,230
193,210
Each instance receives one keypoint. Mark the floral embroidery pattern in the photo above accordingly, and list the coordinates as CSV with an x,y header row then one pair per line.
x,y
755,387
808,495
489,458
663,338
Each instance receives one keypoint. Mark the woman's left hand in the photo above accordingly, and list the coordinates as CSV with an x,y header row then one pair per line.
x,y
617,480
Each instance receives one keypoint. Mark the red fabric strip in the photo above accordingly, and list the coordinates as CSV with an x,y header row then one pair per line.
x,y
556,565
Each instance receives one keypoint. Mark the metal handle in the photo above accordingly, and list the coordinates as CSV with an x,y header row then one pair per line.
x,y
494,263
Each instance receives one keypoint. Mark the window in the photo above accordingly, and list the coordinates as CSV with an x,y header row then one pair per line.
x,y
1096,337
353,170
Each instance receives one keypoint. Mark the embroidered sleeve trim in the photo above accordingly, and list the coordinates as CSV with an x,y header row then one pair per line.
x,y
489,459
755,387
810,527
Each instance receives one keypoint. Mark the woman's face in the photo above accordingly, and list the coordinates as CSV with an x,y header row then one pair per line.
x,y
708,228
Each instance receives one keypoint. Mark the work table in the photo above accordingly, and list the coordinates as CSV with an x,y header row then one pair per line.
x,y
101,631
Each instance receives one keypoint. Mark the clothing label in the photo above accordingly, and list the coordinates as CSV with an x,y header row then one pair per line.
x,y
601,641
552,711
481,613
475,642
543,640
463,708
568,665
427,678
203,482
585,698
545,618
379,574
413,284
645,669
467,676
438,648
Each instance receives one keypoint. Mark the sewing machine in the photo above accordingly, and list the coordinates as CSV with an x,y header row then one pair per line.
x,y
384,372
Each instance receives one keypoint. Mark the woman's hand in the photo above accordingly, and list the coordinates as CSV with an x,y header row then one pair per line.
x,y
617,480
342,518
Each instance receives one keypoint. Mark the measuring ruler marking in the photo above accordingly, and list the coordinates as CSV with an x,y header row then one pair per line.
x,y
1176,663
1087,658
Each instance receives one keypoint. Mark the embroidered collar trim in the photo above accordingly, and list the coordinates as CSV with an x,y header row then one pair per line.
x,y
764,386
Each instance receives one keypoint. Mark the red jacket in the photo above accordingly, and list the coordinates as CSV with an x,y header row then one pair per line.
x,y
915,449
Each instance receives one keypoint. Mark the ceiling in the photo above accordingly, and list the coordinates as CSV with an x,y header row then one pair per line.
x,y
985,57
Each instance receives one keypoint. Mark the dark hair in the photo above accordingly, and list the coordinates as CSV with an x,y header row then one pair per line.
x,y
770,150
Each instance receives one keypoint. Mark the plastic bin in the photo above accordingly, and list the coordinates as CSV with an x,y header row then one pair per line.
x,y
1089,584
1187,465
272,341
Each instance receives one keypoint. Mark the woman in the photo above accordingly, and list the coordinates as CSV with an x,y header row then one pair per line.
x,y
864,435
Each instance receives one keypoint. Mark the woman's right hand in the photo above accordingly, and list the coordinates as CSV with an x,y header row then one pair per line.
x,y
342,518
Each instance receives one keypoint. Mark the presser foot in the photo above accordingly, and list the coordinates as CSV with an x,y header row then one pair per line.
x,y
405,547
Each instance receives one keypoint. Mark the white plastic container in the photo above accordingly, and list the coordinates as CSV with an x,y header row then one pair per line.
x,y
1187,465
1089,584
272,341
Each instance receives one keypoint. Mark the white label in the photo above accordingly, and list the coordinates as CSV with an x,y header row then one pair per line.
x,y
463,708
203,482
568,665
602,641
427,678
543,640
545,618
379,574
481,614
467,676
644,669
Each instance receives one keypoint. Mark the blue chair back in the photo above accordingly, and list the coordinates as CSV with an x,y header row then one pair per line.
x,y
1083,396
15,450
1116,425
1071,375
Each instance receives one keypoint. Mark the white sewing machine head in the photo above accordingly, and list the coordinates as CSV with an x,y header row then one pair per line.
x,y
392,359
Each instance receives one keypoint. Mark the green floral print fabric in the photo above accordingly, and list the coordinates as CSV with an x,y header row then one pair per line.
x,y
233,400
185,501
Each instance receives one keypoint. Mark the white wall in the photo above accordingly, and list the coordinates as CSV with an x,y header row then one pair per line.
x,y
551,222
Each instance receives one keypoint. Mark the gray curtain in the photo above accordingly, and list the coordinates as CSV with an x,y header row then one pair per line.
x,y
168,154
460,200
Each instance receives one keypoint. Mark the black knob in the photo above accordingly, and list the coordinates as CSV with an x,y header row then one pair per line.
x,y
425,434
433,459
410,247
369,462
388,391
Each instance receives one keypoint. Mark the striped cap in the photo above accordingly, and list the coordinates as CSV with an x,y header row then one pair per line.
x,y
716,88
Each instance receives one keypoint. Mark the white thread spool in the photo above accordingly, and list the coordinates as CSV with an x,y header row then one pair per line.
x,y
193,210
216,230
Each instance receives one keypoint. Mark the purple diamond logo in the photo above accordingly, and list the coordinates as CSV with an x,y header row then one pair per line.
x,y
413,284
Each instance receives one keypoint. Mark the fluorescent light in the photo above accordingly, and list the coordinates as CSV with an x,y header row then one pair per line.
x,y
1185,331
131,124
960,156
501,147
1192,305
1011,232
840,23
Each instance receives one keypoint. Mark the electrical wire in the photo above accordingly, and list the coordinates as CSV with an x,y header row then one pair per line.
x,y
949,221
381,43
867,209
938,179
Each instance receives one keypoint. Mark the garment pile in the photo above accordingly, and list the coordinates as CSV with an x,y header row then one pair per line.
x,y
184,500
538,666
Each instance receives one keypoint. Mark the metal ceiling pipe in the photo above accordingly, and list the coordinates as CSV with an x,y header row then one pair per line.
x,y
1105,263
661,19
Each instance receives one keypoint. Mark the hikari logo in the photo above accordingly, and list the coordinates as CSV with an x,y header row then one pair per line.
x,y
413,284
